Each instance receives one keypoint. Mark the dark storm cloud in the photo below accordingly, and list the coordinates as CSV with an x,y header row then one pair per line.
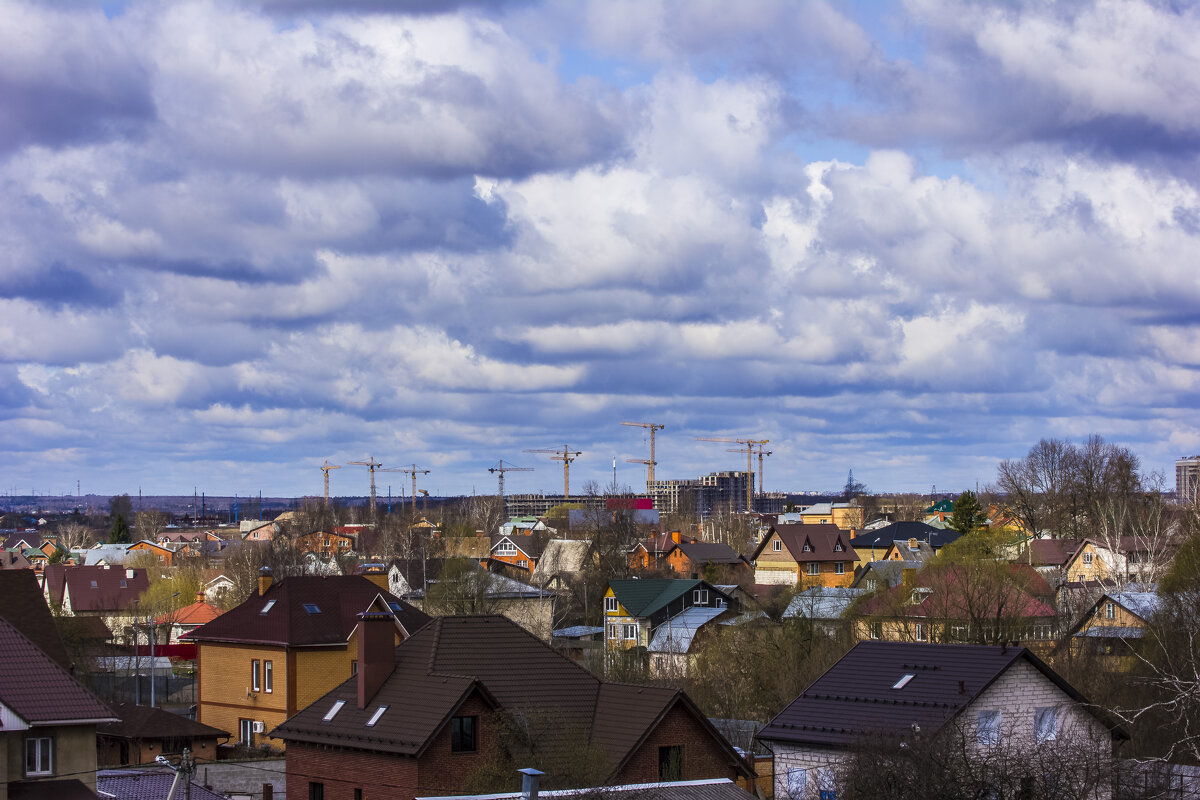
x,y
58,285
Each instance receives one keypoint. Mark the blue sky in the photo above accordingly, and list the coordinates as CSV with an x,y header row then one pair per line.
x,y
907,238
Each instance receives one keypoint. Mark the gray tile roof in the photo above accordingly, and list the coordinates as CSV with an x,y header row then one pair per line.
x,y
146,785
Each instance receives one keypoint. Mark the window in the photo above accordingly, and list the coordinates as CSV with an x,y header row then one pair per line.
x,y
839,568
254,675
612,631
630,632
1110,610
670,763
375,717
700,597
270,604
124,583
316,791
900,684
463,734
523,563
1087,559
920,633
814,568
610,605
797,778
329,715
353,668
39,755
807,547
358,794
312,608
246,732
506,548
837,548
826,783
95,585
268,677
776,545
1045,724
876,630
988,731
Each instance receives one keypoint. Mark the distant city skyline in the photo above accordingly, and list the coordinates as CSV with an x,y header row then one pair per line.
x,y
907,238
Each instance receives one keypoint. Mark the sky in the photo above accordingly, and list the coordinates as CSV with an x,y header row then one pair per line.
x,y
909,239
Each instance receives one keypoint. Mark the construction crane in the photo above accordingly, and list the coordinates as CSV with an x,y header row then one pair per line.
x,y
653,428
566,455
760,454
748,446
325,468
371,464
414,471
500,469
424,500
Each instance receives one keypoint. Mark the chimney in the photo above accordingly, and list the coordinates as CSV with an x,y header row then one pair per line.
x,y
529,782
912,543
853,533
265,580
376,652
676,536
908,578
377,576
200,596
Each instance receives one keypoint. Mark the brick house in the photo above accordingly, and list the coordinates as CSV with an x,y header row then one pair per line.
x,y
989,696
696,559
812,555
324,543
428,718
284,647
650,555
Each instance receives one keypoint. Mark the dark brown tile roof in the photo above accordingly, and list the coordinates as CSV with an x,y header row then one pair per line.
x,y
94,589
821,538
146,722
855,697
25,609
1052,552
454,658
710,553
37,689
307,610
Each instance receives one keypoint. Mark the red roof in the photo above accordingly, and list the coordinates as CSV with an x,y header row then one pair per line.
x,y
95,588
197,613
954,595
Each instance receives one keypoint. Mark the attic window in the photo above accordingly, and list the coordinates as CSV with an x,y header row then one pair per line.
x,y
777,545
837,548
312,608
807,547
337,706
900,684
375,717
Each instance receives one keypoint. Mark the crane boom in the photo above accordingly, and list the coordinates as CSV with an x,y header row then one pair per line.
x,y
653,427
501,469
566,455
748,446
371,464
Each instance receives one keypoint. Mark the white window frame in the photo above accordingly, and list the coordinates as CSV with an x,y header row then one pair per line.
x,y
1045,724
612,631
776,545
839,568
246,732
987,730
814,567
875,630
807,547
611,606
629,632
255,676
700,597
920,633
1110,610
268,677
506,548
41,749
1087,559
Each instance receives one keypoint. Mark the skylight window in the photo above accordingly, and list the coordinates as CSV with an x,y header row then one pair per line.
x,y
900,684
333,711
270,604
312,608
375,717
394,605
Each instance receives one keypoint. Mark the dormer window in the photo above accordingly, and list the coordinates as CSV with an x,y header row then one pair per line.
x,y
807,547
837,548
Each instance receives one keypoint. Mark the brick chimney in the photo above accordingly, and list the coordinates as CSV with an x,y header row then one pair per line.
x,y
376,652
676,536
377,576
265,579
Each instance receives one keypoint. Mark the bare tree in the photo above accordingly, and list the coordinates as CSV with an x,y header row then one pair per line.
x,y
149,524
75,535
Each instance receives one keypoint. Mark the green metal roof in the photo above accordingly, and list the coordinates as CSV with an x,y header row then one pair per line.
x,y
643,597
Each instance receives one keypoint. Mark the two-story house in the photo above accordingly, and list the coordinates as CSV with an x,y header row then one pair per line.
x,y
284,647
436,715
900,695
108,592
635,608
873,545
810,555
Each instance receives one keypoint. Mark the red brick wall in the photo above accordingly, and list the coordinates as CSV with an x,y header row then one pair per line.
x,y
389,777
702,756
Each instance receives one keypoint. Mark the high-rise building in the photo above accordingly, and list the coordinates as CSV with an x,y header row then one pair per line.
x,y
1187,479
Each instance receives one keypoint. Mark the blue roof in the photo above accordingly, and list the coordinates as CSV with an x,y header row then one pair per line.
x,y
579,631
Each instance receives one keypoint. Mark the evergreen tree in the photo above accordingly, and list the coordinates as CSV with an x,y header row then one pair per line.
x,y
968,516
119,534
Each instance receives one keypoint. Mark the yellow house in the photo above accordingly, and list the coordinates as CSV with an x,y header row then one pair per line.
x,y
1115,626
812,555
846,516
285,647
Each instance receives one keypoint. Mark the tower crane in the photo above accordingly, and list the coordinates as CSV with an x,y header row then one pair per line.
x,y
371,464
325,468
500,469
566,455
653,428
747,445
414,471
760,454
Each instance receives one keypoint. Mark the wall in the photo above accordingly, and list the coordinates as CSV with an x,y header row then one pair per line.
x,y
224,685
702,756
74,754
381,776
813,760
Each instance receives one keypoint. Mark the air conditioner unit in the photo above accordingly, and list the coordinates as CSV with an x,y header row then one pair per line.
x,y
260,727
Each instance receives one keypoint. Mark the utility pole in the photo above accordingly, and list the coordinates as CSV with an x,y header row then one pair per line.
x,y
653,427
566,455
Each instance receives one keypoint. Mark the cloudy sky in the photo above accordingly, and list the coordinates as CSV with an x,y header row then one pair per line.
x,y
911,239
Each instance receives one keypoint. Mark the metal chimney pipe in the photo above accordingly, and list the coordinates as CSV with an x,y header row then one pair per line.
x,y
529,782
